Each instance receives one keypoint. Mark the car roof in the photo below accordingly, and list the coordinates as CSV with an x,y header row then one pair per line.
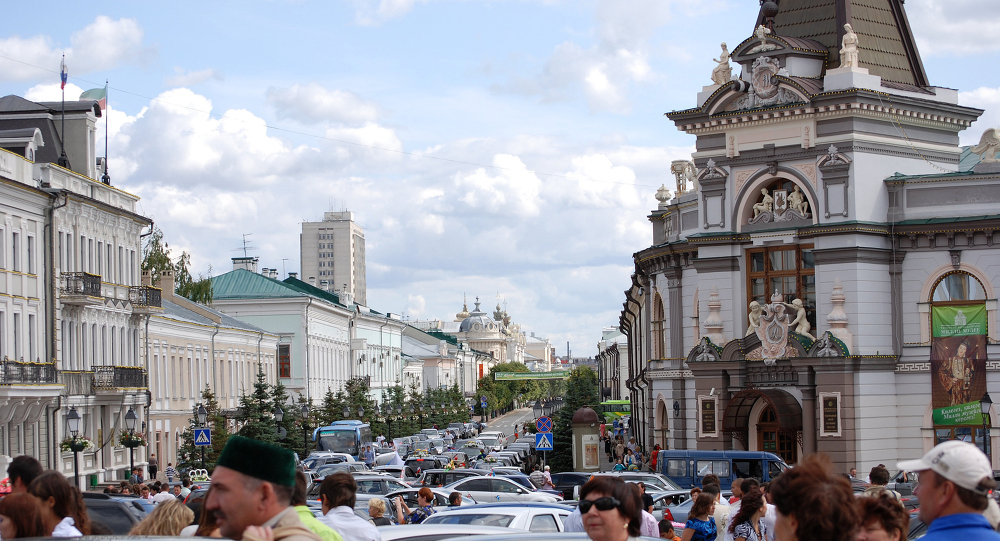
x,y
431,531
511,505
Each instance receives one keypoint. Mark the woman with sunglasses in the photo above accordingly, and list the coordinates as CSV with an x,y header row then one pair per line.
x,y
700,525
611,510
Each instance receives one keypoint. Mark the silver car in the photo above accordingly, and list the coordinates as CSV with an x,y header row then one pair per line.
x,y
498,489
535,517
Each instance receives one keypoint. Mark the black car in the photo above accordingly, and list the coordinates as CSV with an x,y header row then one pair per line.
x,y
112,514
565,482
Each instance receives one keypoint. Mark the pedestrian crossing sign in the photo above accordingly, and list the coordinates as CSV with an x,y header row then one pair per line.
x,y
543,441
202,437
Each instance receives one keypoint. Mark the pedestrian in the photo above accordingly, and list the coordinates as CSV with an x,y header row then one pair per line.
x,y
721,513
537,478
667,530
22,471
177,493
880,478
62,509
700,525
153,466
163,495
369,456
747,486
735,489
376,510
814,504
853,474
136,478
306,515
251,493
170,472
647,500
610,509
883,518
653,457
953,484
21,516
185,487
748,524
608,446
548,478
168,518
425,500
338,494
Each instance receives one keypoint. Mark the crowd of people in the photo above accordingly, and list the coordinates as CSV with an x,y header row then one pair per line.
x,y
257,493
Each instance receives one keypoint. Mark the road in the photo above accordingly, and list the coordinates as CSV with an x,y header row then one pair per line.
x,y
505,423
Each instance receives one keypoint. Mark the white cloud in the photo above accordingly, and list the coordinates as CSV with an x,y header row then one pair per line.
x,y
955,27
312,103
106,43
512,189
374,12
24,59
983,98
192,78
415,305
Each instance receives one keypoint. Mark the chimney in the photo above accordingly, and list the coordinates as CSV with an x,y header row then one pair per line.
x,y
147,279
245,263
167,284
293,275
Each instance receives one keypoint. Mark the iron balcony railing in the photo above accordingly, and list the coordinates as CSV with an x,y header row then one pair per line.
x,y
145,296
82,283
20,372
120,377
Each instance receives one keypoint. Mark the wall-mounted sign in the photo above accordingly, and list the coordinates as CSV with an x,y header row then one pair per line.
x,y
829,404
708,426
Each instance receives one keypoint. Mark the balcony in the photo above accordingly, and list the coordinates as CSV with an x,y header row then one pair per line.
x,y
81,289
145,299
22,373
113,378
77,382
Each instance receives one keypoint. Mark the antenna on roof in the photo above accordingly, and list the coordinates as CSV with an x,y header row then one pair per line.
x,y
247,245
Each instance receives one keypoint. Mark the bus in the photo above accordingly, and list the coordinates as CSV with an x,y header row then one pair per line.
x,y
349,437
687,468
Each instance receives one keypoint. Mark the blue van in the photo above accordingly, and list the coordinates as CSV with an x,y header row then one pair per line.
x,y
687,468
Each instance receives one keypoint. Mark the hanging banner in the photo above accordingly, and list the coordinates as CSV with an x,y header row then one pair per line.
x,y
958,363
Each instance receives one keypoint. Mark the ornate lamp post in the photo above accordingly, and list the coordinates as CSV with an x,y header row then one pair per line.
x,y
202,414
305,428
984,405
279,415
73,424
346,412
130,420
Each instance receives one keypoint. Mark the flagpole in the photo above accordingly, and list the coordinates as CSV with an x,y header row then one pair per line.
x,y
106,178
63,75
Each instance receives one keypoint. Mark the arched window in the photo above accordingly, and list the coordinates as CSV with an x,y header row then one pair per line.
x,y
958,286
659,345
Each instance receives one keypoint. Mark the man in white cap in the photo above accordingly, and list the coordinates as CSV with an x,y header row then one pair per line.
x,y
954,481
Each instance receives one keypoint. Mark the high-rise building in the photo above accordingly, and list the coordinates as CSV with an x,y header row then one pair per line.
x,y
332,255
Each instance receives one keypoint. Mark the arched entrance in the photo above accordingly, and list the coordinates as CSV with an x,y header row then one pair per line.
x,y
765,420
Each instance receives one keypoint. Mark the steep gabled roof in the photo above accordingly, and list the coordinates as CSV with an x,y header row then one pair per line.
x,y
885,42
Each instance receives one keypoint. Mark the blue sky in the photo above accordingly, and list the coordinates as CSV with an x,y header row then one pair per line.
x,y
503,149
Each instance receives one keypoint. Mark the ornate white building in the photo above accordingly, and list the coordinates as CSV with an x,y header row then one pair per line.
x,y
786,301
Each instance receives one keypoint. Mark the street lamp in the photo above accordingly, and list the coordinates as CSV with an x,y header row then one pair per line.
x,y
305,418
130,420
279,415
346,411
73,423
202,414
984,405
537,409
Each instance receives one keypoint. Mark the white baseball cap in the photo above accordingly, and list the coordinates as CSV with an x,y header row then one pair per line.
x,y
960,462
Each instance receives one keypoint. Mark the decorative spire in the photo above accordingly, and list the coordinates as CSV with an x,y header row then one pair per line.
x,y
837,318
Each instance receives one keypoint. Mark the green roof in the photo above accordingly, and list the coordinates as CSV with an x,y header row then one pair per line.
x,y
441,335
314,291
243,284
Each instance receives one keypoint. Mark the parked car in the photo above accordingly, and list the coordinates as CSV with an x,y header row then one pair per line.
x,y
117,514
415,464
568,482
434,532
535,517
654,482
498,489
440,497
441,477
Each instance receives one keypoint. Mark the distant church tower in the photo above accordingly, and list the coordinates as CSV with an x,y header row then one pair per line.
x,y
332,255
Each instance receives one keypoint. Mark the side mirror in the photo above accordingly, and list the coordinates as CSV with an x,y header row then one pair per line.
x,y
520,491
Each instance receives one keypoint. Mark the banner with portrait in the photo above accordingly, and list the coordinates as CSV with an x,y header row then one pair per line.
x,y
958,363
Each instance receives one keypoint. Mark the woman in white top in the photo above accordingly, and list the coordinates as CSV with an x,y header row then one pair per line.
x,y
63,511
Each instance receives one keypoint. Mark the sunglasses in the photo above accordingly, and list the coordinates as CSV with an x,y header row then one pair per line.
x,y
602,504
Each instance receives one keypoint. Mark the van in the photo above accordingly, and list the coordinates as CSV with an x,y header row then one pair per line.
x,y
687,468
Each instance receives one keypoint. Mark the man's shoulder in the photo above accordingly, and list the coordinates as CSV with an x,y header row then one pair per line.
x,y
971,527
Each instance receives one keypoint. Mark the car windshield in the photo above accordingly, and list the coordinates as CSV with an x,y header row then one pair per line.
x,y
489,443
478,519
341,441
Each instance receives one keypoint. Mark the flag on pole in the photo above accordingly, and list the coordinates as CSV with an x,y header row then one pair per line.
x,y
98,94
63,73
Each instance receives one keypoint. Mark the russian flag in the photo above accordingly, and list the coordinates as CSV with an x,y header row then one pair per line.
x,y
63,72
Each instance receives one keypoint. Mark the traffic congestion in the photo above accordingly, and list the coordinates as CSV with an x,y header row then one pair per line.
x,y
492,482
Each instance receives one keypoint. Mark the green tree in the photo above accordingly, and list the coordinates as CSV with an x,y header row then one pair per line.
x,y
257,412
189,455
156,259
156,255
581,390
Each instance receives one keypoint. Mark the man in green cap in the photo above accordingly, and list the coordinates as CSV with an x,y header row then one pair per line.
x,y
251,492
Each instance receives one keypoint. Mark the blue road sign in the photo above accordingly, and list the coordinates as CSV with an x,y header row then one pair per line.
x,y
202,437
544,424
482,400
543,441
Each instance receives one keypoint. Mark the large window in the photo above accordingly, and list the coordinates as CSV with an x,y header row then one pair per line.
x,y
789,270
284,361
659,346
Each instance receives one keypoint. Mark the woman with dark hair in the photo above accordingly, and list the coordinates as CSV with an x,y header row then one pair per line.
x,y
748,524
883,518
813,503
700,525
611,510
20,516
63,512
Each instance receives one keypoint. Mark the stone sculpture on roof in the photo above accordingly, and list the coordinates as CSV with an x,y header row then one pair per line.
x,y
849,48
989,145
761,33
722,73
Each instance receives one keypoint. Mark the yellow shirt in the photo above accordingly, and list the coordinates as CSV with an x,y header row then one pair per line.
x,y
325,532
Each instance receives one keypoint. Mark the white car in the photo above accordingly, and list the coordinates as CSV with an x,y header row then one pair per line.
x,y
434,532
535,517
498,489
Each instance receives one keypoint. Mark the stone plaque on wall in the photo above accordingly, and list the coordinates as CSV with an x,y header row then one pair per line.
x,y
708,425
829,414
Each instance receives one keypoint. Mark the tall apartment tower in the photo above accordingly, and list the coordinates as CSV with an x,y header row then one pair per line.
x,y
333,255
